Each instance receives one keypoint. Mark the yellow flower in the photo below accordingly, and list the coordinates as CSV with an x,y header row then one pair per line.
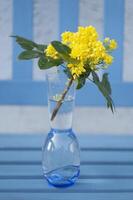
x,y
108,59
50,51
107,40
77,69
67,37
113,44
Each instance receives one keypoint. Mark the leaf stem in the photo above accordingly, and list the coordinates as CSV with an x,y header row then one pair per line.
x,y
60,102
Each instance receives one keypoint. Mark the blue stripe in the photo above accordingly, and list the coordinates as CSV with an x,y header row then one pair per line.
x,y
114,28
35,93
22,25
68,15
23,93
90,95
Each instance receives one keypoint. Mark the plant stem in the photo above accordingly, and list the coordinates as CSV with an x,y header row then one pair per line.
x,y
60,102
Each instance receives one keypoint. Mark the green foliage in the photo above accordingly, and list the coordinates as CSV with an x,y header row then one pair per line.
x,y
80,82
105,88
29,54
24,43
46,63
82,79
64,52
34,50
28,44
41,47
61,48
106,83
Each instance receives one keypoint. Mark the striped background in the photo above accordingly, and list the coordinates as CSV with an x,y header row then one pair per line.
x,y
22,86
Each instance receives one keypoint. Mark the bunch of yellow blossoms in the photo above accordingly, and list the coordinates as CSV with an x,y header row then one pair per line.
x,y
86,49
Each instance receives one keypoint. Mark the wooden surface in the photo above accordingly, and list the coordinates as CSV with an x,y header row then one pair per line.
x,y
106,169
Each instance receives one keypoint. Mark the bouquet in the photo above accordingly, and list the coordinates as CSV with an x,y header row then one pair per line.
x,y
81,53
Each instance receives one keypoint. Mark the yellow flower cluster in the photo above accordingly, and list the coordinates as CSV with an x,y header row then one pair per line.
x,y
86,48
76,69
110,43
50,51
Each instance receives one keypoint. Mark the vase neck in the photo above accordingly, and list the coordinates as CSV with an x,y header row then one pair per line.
x,y
63,119
61,95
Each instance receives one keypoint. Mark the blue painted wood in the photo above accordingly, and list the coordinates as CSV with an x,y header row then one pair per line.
x,y
68,15
83,186
100,142
87,171
90,95
96,181
114,28
35,93
114,157
23,93
22,25
68,196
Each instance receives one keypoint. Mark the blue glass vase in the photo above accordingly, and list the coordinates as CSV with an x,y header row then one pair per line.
x,y
61,154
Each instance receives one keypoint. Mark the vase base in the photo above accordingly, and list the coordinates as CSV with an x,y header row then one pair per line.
x,y
63,177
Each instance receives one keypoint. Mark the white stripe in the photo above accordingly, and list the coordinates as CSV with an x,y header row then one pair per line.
x,y
128,42
45,27
34,119
91,13
5,40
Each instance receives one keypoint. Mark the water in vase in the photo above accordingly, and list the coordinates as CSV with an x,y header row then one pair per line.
x,y
63,119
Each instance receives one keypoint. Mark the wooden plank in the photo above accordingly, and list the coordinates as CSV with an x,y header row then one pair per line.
x,y
103,142
98,180
22,140
28,89
66,196
92,171
85,185
86,156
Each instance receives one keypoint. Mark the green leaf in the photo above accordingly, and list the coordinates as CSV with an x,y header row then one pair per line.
x,y
61,48
81,82
105,88
82,79
46,63
41,47
95,77
64,52
24,43
29,54
106,83
28,44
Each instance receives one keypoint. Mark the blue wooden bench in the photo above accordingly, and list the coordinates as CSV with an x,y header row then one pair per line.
x,y
106,161
106,169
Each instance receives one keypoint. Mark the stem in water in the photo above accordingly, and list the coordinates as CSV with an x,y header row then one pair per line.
x,y
60,102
